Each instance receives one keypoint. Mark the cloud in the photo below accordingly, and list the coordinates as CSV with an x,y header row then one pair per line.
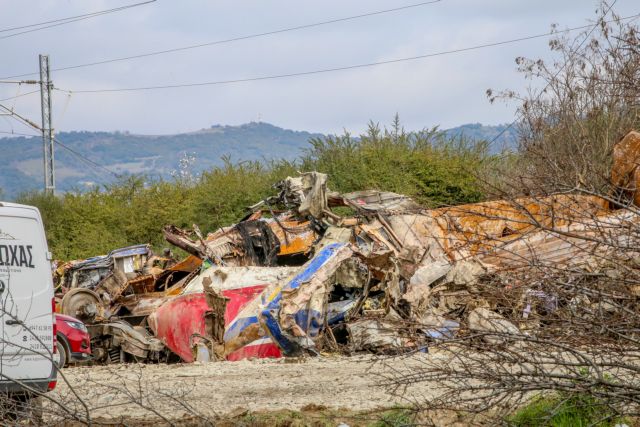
x,y
446,90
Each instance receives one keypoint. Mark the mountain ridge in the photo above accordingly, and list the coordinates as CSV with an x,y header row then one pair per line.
x,y
159,155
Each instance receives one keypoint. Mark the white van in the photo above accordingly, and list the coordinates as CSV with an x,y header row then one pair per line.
x,y
27,323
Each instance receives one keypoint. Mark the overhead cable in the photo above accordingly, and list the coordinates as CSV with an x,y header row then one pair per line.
x,y
335,69
86,159
82,157
20,95
555,76
18,133
64,21
235,39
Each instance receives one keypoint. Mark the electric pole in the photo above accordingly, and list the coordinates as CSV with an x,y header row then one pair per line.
x,y
47,130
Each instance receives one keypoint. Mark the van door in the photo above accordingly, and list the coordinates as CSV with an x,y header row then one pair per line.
x,y
26,292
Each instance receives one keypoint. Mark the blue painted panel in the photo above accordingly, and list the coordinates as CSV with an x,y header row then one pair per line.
x,y
311,321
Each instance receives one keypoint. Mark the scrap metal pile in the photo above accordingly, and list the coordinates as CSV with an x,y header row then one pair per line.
x,y
113,294
293,277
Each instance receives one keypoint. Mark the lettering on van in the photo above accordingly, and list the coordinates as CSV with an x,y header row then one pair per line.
x,y
6,236
16,256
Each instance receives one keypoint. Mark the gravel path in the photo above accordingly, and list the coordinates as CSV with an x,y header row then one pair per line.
x,y
173,392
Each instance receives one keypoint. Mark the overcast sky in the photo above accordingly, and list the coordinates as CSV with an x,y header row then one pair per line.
x,y
446,90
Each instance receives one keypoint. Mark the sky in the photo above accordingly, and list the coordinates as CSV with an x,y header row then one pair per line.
x,y
447,90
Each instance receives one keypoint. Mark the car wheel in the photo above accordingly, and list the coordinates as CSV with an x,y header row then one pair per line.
x,y
61,357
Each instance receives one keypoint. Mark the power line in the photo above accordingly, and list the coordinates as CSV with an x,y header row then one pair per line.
x,y
86,159
20,96
87,15
329,70
235,39
20,82
19,118
555,76
70,20
18,133
82,157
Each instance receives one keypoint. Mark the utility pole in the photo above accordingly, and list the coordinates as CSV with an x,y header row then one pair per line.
x,y
47,130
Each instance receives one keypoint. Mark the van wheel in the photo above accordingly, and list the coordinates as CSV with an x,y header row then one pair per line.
x,y
61,358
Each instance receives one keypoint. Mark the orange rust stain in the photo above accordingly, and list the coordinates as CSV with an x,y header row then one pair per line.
x,y
296,239
625,173
297,245
478,227
189,264
142,284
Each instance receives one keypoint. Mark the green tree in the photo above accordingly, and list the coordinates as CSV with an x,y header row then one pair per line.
x,y
425,165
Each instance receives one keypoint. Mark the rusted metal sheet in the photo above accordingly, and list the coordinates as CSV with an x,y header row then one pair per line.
x,y
371,201
468,230
625,174
295,237
183,240
251,242
187,265
142,284
143,305
584,244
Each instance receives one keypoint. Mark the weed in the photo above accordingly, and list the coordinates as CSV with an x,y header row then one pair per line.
x,y
563,410
397,417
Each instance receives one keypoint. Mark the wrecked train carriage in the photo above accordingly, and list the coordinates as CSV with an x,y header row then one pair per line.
x,y
426,264
516,243
114,294
242,312
209,304
313,308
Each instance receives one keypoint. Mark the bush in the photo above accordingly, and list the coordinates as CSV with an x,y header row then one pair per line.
x,y
425,165
433,169
588,103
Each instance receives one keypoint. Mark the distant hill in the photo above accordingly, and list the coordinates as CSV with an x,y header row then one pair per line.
x,y
156,156
159,155
505,138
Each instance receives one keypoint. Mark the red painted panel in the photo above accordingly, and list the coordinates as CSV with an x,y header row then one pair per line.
x,y
238,298
178,319
261,350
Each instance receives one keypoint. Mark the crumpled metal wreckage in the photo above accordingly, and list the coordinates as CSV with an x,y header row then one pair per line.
x,y
113,295
392,277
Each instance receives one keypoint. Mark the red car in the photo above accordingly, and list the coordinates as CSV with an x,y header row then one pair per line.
x,y
73,340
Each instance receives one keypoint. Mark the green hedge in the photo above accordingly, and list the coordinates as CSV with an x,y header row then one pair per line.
x,y
425,165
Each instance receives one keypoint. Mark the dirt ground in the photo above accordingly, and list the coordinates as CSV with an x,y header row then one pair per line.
x,y
172,393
